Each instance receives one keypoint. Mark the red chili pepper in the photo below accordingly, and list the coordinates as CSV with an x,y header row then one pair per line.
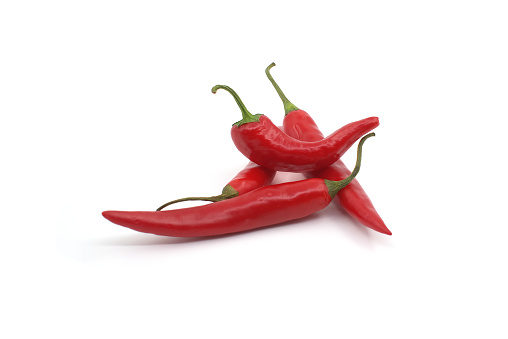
x,y
250,178
300,125
264,206
265,144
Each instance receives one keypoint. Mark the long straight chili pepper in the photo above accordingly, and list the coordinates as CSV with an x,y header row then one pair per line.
x,y
250,178
264,143
300,125
268,205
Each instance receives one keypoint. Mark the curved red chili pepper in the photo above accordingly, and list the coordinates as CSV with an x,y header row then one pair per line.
x,y
264,206
300,125
265,144
248,179
251,177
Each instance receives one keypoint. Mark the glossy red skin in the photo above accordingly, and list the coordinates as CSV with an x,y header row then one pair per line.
x,y
265,144
299,124
252,177
265,206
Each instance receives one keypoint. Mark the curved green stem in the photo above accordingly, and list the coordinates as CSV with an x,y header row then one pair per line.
x,y
213,199
288,106
247,116
336,186
227,193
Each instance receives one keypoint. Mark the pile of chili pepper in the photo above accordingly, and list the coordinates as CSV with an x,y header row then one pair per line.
x,y
249,200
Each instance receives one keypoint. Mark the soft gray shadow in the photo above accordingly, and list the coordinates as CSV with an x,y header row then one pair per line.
x,y
349,227
354,230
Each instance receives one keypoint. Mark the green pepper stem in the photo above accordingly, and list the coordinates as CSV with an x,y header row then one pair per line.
x,y
227,193
288,106
336,186
246,115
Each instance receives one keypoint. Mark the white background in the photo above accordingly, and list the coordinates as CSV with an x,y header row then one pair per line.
x,y
107,105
